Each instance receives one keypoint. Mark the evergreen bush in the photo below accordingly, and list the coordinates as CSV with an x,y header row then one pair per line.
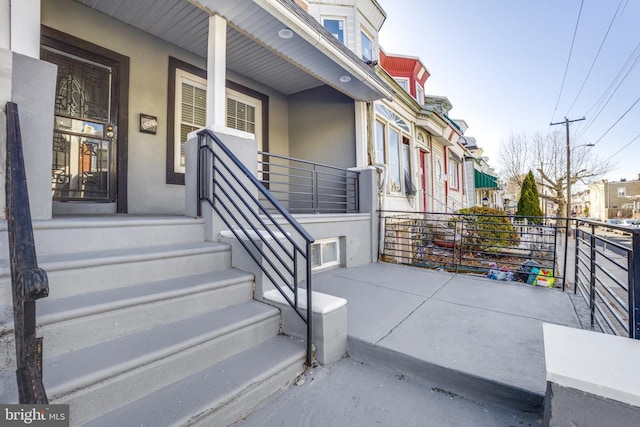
x,y
485,229
529,202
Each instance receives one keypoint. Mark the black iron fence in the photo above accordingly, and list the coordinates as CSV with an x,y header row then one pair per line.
x,y
28,282
607,275
244,204
302,186
499,247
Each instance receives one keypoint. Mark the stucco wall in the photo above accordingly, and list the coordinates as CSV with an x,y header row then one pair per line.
x,y
149,59
278,113
354,231
566,406
33,90
148,192
322,127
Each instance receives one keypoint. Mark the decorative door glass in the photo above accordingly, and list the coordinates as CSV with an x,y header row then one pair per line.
x,y
83,164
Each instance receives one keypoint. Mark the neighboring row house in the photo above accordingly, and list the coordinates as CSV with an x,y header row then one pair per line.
x,y
613,199
418,148
482,178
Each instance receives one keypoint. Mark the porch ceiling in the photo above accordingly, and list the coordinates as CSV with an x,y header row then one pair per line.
x,y
253,46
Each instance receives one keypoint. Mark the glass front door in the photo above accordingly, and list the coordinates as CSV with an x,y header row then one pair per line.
x,y
83,166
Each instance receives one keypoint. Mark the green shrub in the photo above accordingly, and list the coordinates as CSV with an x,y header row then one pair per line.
x,y
485,229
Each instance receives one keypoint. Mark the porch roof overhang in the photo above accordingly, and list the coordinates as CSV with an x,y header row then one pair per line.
x,y
437,126
311,58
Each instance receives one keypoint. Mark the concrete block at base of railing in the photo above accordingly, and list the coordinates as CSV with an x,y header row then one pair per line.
x,y
592,378
329,322
245,261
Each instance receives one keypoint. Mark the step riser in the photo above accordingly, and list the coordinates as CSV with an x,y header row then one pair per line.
x,y
111,393
74,281
241,405
54,237
60,337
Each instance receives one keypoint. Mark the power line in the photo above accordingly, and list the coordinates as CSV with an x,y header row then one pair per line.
x,y
623,147
564,78
597,54
616,122
601,100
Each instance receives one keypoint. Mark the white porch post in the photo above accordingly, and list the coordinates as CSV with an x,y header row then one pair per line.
x,y
362,134
242,144
216,71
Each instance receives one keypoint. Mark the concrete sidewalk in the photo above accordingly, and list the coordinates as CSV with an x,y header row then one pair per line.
x,y
476,341
359,394
475,336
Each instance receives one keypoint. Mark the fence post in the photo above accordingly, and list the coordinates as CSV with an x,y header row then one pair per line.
x,y
634,286
455,241
316,191
592,279
356,192
576,255
567,228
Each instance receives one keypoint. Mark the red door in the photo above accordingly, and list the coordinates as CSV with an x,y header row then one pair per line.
x,y
424,178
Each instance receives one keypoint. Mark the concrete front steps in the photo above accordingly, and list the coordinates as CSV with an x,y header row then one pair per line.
x,y
152,316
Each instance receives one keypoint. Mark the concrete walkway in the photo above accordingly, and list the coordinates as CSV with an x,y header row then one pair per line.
x,y
476,339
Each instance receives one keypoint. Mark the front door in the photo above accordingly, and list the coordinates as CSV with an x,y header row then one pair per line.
x,y
85,139
424,179
440,184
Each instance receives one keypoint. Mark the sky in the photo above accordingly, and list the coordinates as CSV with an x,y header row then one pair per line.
x,y
502,65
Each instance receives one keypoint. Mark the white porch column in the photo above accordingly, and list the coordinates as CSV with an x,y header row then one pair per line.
x,y
216,71
23,27
362,134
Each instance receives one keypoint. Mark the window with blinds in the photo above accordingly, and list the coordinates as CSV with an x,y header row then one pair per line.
x,y
194,113
189,113
241,116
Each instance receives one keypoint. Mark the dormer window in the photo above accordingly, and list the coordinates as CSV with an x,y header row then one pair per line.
x,y
403,82
419,94
335,26
366,46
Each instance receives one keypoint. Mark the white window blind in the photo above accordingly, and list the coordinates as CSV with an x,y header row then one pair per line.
x,y
241,116
191,111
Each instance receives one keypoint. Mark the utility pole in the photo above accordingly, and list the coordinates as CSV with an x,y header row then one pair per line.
x,y
566,123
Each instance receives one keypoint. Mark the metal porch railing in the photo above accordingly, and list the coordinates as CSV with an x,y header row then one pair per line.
x,y
28,282
302,186
245,205
497,246
607,275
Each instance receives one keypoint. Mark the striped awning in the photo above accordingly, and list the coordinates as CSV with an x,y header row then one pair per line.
x,y
484,180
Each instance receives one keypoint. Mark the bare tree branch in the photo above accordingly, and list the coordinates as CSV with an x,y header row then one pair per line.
x,y
547,154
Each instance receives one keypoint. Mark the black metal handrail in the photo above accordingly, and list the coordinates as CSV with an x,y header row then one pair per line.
x,y
303,186
607,275
28,282
498,246
245,205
